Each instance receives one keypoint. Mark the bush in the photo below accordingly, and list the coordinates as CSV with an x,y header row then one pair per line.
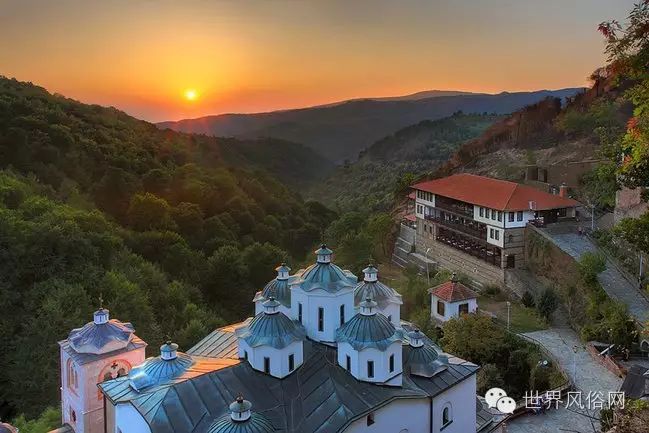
x,y
528,300
547,303
591,265
48,420
489,377
540,378
491,290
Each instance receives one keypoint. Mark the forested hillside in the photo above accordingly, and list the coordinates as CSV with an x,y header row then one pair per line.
x,y
340,131
393,162
168,228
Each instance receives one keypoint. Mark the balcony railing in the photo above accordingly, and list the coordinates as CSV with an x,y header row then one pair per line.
x,y
458,208
489,254
472,230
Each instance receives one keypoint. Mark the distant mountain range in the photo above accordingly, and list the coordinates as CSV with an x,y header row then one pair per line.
x,y
340,131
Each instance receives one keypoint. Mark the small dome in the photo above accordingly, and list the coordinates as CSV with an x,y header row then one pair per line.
x,y
279,289
168,365
372,288
7,428
368,329
283,271
423,359
101,335
271,328
325,275
241,420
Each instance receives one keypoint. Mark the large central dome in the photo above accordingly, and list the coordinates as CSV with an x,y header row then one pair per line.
x,y
325,275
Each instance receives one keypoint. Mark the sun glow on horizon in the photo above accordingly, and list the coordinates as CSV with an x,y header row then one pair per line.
x,y
191,94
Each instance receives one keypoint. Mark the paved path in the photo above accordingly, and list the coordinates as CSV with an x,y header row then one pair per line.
x,y
590,377
612,280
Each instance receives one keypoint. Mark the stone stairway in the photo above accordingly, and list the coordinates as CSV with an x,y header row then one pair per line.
x,y
403,254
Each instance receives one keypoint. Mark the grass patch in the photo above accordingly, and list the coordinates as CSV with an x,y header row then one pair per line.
x,y
523,319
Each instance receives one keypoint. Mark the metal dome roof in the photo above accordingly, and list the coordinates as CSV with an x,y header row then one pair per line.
x,y
423,359
169,365
379,292
278,289
101,335
365,331
255,424
271,329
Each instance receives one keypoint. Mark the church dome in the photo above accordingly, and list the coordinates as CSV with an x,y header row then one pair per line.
x,y
279,287
368,329
168,365
424,359
325,275
372,288
271,328
241,420
102,335
7,428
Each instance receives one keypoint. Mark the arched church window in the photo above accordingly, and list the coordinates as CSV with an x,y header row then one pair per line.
x,y
447,415
71,375
121,372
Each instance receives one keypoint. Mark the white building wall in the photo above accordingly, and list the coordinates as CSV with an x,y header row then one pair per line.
x,y
399,416
451,309
72,398
330,302
278,357
461,400
492,220
393,312
527,215
359,360
129,420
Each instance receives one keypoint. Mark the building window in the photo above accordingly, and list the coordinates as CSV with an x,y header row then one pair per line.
x,y
491,233
519,215
348,363
370,419
497,234
342,315
493,215
463,308
440,308
370,369
299,312
487,213
73,415
500,216
447,416
481,211
72,375
391,363
320,319
291,362
245,355
511,217
266,365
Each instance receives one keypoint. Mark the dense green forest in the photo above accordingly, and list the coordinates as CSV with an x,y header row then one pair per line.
x,y
170,228
392,163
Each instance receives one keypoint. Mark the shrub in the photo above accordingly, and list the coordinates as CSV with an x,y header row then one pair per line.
x,y
547,303
528,300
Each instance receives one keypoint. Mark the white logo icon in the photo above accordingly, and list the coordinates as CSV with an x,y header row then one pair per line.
x,y
492,396
506,405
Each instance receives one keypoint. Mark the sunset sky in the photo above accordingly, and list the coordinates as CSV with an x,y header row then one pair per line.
x,y
147,56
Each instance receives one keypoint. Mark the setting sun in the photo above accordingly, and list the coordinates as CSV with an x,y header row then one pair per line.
x,y
191,94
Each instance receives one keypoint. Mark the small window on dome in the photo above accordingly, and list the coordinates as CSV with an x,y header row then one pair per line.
x,y
299,312
447,416
391,363
291,362
266,365
370,369
342,315
320,319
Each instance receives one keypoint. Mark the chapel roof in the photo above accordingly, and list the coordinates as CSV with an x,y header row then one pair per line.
x,y
453,291
102,335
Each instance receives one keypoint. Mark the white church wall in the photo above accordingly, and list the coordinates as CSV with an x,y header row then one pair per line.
x,y
129,420
330,302
381,361
393,312
461,401
279,363
399,416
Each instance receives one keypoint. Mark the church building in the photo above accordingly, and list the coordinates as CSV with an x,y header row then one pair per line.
x,y
324,353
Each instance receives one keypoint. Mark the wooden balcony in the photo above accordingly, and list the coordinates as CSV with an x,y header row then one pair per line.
x,y
476,230
482,250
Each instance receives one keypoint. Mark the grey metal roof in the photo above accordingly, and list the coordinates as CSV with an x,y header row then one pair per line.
x,y
221,343
154,371
256,424
101,338
636,382
85,358
323,251
484,418
320,397
275,330
424,361
379,292
363,332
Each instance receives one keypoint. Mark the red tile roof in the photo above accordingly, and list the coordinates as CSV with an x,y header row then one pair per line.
x,y
494,193
453,291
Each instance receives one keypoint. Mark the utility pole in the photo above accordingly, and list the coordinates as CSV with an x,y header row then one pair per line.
x,y
509,307
427,273
592,218
574,365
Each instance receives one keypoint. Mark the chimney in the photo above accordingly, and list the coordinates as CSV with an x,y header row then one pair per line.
x,y
563,190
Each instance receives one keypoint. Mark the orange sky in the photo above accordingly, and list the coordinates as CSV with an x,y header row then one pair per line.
x,y
247,56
